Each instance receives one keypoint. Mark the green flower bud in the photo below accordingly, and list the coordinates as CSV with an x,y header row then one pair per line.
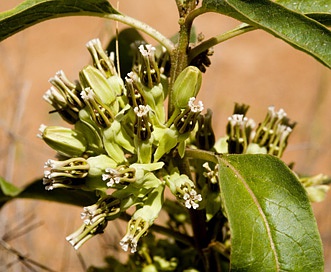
x,y
166,139
93,139
187,85
316,186
94,79
98,164
68,142
122,138
143,169
155,100
144,150
221,145
254,148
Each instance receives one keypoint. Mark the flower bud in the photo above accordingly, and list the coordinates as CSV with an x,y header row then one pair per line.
x,y
100,59
100,112
98,164
135,92
273,132
65,174
95,218
184,190
187,85
106,207
142,127
119,175
236,130
142,219
186,121
148,69
316,186
86,232
64,97
205,137
94,79
66,141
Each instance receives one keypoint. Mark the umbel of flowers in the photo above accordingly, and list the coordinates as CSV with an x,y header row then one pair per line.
x,y
121,142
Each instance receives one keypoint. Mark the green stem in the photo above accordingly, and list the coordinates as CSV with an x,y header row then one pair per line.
x,y
142,27
201,155
243,28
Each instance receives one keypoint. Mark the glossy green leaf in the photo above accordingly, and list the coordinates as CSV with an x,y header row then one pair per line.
x,y
31,12
319,10
36,190
271,220
294,28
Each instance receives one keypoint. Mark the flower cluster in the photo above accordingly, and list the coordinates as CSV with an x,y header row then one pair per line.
x,y
122,145
270,136
119,138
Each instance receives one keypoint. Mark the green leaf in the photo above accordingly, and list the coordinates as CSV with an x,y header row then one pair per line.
x,y
294,28
319,10
31,12
36,190
7,191
125,39
271,220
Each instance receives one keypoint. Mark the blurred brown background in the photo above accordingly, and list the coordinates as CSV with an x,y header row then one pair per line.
x,y
255,69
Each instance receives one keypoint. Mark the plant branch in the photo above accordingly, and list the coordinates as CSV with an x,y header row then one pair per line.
x,y
193,14
243,28
201,155
142,27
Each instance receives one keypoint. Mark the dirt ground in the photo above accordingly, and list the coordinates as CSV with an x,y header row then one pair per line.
x,y
255,69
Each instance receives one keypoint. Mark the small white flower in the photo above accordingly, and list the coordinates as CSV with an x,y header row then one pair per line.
x,y
191,198
279,115
195,108
130,77
41,130
86,94
93,42
251,123
149,51
87,215
284,131
112,175
238,120
141,110
129,241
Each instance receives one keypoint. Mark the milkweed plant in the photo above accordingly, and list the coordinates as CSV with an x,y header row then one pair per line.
x,y
142,142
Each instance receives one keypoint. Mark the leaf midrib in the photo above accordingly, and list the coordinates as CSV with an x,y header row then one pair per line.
x,y
260,210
